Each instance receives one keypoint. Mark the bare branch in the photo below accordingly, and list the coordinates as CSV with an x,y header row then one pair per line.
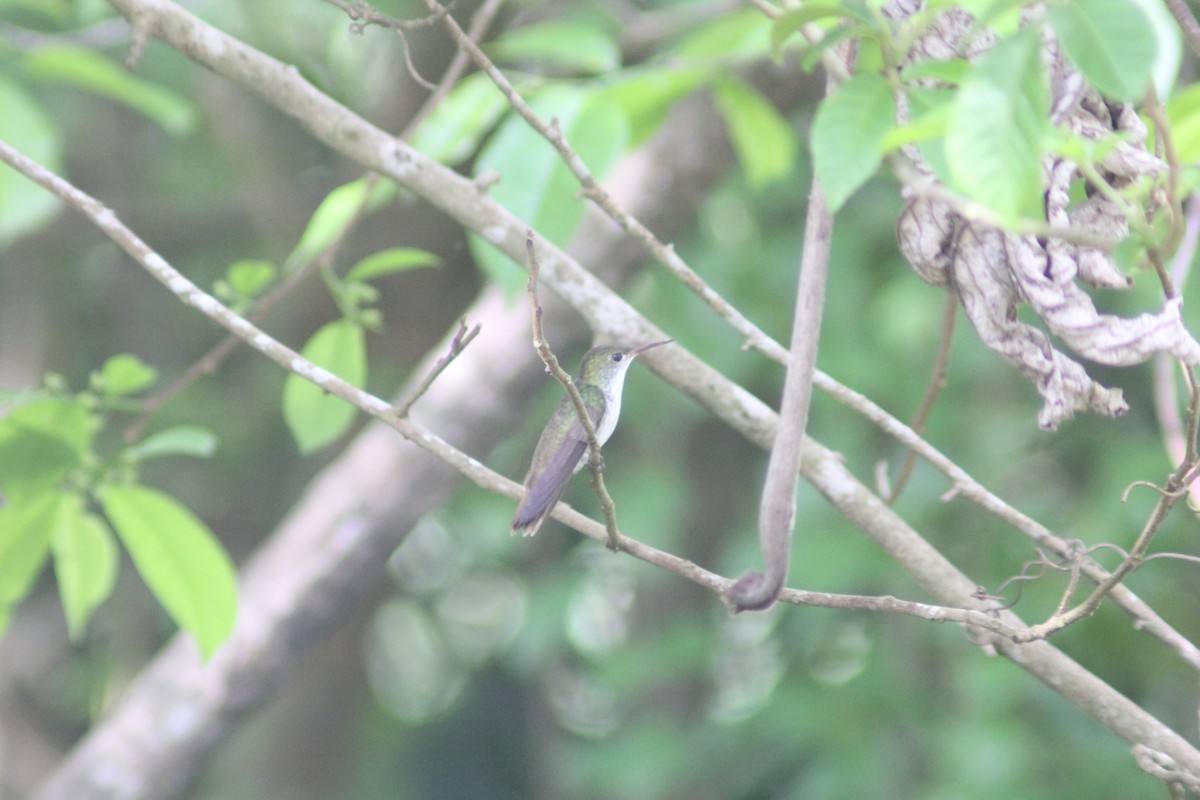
x,y
937,382
458,343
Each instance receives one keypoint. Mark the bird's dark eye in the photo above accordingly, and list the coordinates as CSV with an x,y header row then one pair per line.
x,y
617,356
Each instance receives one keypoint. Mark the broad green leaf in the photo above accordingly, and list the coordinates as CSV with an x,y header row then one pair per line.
x,y
314,417
763,140
394,259
85,562
124,374
24,544
336,211
930,112
182,440
1003,17
1111,41
179,558
564,44
646,95
534,183
66,420
250,276
1183,113
24,206
33,462
40,443
793,20
848,135
452,132
993,143
951,71
1168,45
745,33
96,73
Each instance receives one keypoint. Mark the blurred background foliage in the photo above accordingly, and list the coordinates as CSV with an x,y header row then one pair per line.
x,y
504,668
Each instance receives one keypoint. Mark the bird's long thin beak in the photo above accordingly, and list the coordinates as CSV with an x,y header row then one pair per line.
x,y
637,351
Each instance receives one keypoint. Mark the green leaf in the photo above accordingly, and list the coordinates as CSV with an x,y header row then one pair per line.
x,y
563,44
1001,16
24,544
745,33
85,562
793,20
394,259
26,207
40,443
65,420
249,277
1111,41
534,183
179,558
930,112
646,95
182,440
848,135
336,211
453,131
1183,114
993,143
96,73
763,140
314,417
124,374
950,71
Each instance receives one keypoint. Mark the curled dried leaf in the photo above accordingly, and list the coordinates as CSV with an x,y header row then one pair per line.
x,y
992,270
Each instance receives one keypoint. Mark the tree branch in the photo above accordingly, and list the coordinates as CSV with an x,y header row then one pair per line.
x,y
777,514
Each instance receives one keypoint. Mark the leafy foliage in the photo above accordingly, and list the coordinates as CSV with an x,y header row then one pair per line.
x,y
603,676
50,469
314,417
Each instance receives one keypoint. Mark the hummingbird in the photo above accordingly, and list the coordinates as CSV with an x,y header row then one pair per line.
x,y
562,448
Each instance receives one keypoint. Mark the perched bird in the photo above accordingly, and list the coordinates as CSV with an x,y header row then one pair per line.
x,y
562,448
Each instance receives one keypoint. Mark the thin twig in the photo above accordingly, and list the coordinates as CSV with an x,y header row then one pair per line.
x,y
937,382
462,337
410,66
363,15
595,461
1168,496
1166,405
480,22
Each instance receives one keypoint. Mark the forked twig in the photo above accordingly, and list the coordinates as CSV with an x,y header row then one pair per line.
x,y
462,337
